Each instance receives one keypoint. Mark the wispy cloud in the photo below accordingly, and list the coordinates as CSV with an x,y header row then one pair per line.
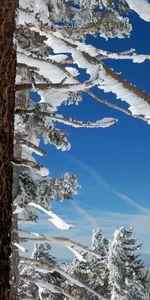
x,y
84,214
130,201
106,185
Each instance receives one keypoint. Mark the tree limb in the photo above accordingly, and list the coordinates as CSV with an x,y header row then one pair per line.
x,y
58,240
61,271
65,120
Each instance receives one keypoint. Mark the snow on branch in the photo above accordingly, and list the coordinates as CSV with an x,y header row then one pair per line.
x,y
50,70
141,7
66,242
63,87
55,220
20,247
33,147
109,80
106,122
61,271
114,106
30,164
112,82
46,285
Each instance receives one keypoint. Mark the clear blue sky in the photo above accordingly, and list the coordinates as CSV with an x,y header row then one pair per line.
x,y
112,164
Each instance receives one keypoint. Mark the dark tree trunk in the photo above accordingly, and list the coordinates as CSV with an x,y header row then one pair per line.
x,y
7,101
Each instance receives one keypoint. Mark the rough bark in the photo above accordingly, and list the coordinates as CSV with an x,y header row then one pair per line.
x,y
7,100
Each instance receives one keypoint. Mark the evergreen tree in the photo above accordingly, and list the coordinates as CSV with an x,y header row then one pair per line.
x,y
93,271
41,253
42,190
125,267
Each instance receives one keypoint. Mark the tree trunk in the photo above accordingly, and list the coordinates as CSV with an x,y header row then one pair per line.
x,y
7,101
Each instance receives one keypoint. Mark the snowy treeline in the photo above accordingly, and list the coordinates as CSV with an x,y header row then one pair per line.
x,y
51,54
116,272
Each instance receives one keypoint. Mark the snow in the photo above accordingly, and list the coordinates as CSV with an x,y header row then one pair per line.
x,y
18,79
77,282
141,7
21,248
73,71
43,172
136,58
50,71
59,45
59,223
137,105
105,122
76,253
37,10
18,124
55,97
31,149
58,58
55,220
18,210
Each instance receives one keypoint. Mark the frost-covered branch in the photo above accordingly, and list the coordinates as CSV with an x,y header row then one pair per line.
x,y
66,242
46,285
75,87
19,247
61,271
26,163
109,80
69,121
114,106
33,147
141,7
54,219
30,164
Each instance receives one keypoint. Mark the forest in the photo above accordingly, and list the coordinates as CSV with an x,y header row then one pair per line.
x,y
51,62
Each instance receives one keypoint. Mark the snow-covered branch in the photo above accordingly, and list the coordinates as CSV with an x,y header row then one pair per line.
x,y
75,87
114,106
19,247
141,7
55,220
66,242
33,147
30,164
61,271
106,122
46,285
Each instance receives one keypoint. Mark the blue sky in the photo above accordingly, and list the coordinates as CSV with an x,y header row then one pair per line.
x,y
112,164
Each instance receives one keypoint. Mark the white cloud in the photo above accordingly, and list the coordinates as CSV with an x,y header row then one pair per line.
x,y
106,185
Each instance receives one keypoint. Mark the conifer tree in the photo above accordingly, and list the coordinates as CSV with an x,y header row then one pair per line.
x,y
125,267
93,271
